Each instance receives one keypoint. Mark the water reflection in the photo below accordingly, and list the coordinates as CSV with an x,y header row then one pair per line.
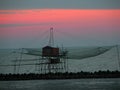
x,y
78,84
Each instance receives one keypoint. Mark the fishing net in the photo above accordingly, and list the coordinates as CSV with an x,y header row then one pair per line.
x,y
77,53
35,52
88,52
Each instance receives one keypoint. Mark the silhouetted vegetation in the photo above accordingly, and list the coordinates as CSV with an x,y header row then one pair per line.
x,y
59,75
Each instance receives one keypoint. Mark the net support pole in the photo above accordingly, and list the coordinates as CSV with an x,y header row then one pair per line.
x,y
118,55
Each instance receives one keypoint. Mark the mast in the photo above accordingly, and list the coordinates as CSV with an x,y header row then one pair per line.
x,y
51,39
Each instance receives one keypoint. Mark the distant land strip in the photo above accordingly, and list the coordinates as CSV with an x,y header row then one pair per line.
x,y
59,75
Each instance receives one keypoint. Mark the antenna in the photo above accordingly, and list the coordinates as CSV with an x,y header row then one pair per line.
x,y
51,39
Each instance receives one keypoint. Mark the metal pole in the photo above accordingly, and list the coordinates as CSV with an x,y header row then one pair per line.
x,y
15,66
20,60
118,55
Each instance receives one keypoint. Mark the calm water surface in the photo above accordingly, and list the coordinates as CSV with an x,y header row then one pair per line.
x,y
78,84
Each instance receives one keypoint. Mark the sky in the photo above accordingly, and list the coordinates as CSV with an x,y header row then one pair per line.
x,y
26,23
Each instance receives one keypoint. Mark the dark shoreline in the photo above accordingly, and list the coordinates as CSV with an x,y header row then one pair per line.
x,y
55,76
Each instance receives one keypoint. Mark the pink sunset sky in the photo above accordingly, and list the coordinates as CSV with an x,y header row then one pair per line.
x,y
72,27
85,26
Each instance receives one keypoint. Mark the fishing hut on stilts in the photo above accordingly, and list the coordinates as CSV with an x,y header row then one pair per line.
x,y
53,59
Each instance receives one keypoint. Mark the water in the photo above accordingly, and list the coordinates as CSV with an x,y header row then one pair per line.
x,y
78,84
106,61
